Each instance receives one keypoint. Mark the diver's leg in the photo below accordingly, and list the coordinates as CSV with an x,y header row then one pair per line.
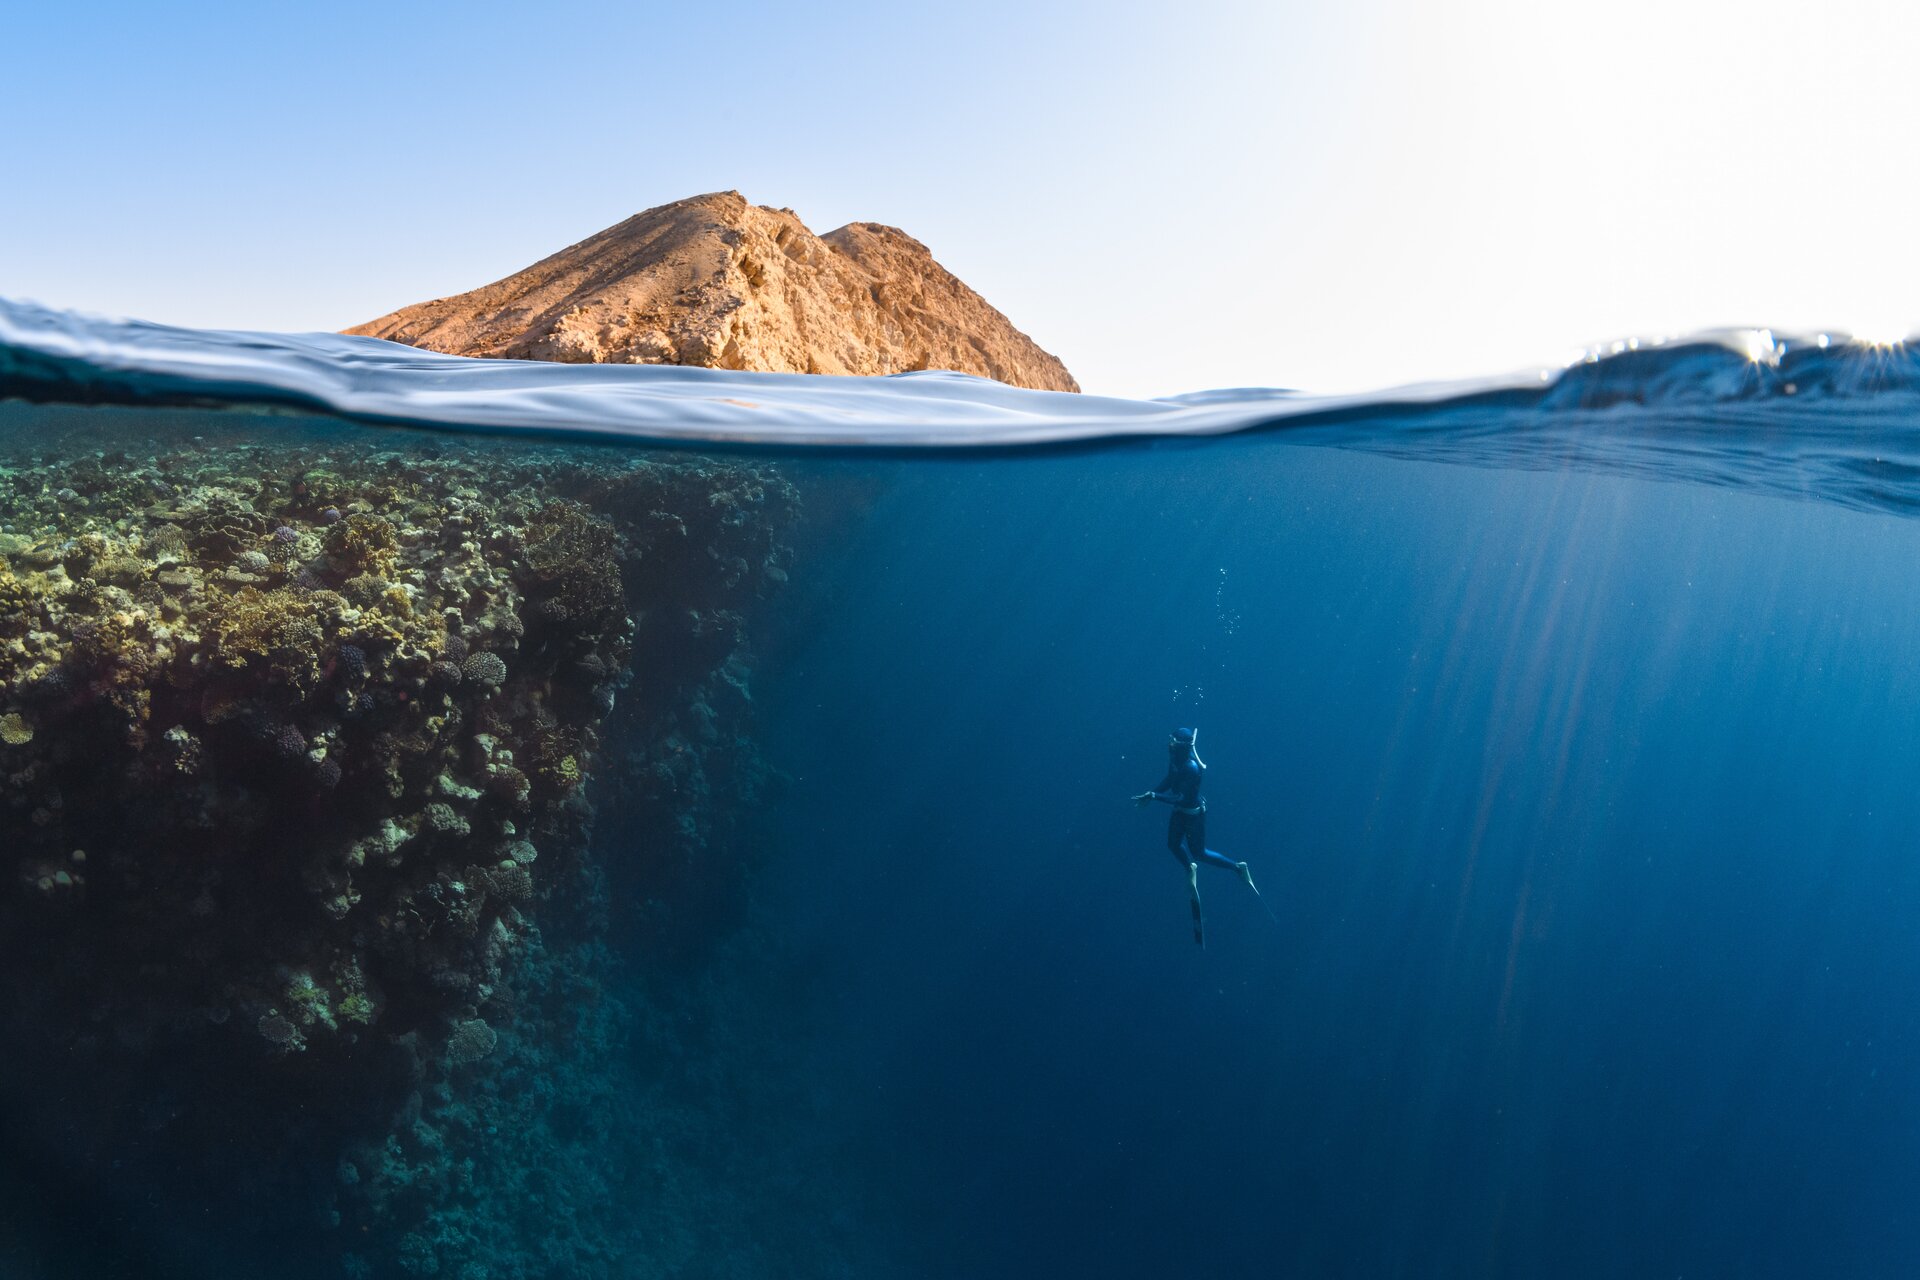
x,y
1215,858
1176,836
1197,840
1197,843
1177,839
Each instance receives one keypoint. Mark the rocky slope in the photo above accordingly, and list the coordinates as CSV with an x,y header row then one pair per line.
x,y
717,282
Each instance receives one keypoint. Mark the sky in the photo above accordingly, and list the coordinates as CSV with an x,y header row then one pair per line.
x,y
1170,197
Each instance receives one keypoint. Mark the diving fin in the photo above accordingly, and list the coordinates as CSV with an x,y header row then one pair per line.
x,y
1193,886
1247,875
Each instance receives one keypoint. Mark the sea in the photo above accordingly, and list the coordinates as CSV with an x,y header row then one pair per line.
x,y
1565,721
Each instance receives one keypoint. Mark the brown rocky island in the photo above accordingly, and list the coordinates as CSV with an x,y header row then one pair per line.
x,y
716,282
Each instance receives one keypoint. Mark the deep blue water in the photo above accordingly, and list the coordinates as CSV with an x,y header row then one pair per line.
x,y
1570,739
1585,804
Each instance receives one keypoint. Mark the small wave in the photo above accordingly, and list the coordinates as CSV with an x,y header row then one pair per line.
x,y
1817,417
47,354
53,355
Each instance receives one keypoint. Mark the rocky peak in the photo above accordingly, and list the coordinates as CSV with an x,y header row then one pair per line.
x,y
717,282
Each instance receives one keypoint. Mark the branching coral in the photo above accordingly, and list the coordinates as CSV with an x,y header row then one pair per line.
x,y
364,541
572,566
281,633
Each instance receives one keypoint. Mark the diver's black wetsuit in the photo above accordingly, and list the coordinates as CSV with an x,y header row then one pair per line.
x,y
1187,825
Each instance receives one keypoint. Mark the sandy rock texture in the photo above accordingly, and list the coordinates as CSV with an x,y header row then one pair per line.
x,y
720,283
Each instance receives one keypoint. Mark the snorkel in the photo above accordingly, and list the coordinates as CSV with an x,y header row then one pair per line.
x,y
1183,743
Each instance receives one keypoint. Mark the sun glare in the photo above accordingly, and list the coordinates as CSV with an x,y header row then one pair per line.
x,y
1880,336
1759,346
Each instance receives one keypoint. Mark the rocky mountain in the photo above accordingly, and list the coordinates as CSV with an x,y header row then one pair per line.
x,y
717,282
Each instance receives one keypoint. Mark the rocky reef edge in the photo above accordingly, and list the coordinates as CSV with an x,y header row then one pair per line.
x,y
305,733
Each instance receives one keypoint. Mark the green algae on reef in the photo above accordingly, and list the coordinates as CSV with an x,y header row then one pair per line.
x,y
299,728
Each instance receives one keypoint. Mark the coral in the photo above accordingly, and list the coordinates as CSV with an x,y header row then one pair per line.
x,y
14,729
441,819
311,774
276,1030
17,602
182,751
511,881
485,669
287,742
167,545
571,567
471,1041
510,787
120,570
276,632
553,758
49,684
364,541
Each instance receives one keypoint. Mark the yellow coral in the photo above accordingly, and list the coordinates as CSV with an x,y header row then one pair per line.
x,y
16,598
278,629
364,540
395,624
14,729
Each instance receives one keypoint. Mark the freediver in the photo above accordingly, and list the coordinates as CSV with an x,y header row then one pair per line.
x,y
1187,824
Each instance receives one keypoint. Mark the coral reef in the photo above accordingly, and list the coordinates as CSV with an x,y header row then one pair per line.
x,y
301,733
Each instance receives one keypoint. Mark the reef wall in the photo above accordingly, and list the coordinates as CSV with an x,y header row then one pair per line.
x,y
302,731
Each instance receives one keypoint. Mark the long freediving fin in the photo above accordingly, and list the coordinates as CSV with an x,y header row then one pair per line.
x,y
1247,875
1193,886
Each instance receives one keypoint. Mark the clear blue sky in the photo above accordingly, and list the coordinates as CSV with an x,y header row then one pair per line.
x,y
1169,196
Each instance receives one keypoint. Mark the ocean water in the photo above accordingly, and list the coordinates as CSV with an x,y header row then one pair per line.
x,y
1565,725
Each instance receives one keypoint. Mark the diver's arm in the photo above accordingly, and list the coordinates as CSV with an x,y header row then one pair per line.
x,y
1162,793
